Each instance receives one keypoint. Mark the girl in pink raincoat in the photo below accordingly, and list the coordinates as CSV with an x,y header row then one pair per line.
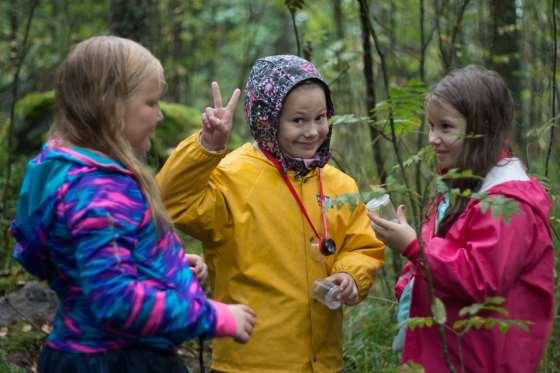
x,y
471,253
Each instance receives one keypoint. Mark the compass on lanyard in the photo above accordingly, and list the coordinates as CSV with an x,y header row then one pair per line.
x,y
327,246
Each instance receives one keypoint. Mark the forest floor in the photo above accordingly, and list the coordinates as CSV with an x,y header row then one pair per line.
x,y
26,313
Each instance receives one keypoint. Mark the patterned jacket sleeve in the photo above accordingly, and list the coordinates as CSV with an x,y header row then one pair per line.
x,y
124,275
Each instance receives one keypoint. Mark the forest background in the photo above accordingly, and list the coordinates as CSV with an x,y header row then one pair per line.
x,y
379,58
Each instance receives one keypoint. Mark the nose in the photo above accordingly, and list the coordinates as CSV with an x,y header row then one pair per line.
x,y
433,137
159,115
311,130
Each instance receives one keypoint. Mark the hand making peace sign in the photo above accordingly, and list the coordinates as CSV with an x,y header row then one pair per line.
x,y
217,121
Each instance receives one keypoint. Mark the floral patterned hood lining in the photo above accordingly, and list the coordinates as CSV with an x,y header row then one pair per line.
x,y
269,82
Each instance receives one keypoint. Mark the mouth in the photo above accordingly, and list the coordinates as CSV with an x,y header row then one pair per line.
x,y
307,144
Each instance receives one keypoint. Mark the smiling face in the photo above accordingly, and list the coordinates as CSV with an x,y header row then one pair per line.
x,y
446,134
303,122
142,114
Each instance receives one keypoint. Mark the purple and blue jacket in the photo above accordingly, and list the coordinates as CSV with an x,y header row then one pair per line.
x,y
84,225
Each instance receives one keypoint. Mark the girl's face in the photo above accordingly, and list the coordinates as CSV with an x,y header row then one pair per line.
x,y
447,129
303,122
142,115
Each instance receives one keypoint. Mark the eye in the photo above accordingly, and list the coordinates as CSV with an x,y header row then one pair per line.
x,y
153,103
321,117
298,120
446,126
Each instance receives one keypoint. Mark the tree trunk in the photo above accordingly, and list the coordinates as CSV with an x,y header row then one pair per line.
x,y
136,20
378,158
506,53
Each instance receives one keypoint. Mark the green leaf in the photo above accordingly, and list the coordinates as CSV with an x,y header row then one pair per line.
x,y
294,5
494,300
489,324
503,327
471,310
345,119
438,311
349,199
497,309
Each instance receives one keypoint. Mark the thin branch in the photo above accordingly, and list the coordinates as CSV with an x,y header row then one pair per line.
x,y
553,85
394,140
18,63
422,71
293,17
374,133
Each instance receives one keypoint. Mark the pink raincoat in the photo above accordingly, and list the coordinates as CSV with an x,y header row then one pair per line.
x,y
482,256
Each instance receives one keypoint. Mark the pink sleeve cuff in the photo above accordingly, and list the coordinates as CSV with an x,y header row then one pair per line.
x,y
412,250
225,321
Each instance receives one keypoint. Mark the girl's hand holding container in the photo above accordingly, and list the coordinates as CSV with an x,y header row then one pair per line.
x,y
348,289
397,235
327,293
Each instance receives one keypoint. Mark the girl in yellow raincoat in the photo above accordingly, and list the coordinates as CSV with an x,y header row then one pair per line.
x,y
266,216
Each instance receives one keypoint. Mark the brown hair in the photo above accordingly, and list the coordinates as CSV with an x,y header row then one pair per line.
x,y
93,86
484,100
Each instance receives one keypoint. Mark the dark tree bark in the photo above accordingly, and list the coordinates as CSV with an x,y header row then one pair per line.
x,y
175,76
18,51
420,140
448,37
506,55
136,20
553,84
378,158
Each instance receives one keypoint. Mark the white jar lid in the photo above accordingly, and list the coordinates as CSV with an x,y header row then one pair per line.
x,y
378,202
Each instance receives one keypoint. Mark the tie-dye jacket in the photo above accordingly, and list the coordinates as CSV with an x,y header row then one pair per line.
x,y
83,224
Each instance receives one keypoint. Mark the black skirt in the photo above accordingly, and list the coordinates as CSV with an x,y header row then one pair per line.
x,y
127,360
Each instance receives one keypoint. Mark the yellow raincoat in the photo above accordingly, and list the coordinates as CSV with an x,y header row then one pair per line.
x,y
257,246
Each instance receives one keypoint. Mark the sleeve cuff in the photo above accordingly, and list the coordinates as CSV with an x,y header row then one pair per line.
x,y
225,321
412,250
218,152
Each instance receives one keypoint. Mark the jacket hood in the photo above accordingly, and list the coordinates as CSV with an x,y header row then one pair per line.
x,y
47,176
510,179
270,81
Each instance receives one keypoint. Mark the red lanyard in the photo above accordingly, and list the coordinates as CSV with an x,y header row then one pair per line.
x,y
292,189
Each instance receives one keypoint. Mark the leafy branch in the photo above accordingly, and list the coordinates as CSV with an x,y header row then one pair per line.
x,y
472,320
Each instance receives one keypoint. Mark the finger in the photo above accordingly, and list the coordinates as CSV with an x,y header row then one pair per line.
x,y
344,285
213,119
216,95
378,228
249,310
401,214
233,100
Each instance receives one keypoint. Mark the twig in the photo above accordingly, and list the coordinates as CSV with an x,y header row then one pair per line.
x,y
553,78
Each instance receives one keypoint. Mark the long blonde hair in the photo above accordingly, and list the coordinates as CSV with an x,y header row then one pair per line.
x,y
93,86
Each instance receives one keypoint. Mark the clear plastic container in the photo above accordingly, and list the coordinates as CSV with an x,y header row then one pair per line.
x,y
327,293
383,207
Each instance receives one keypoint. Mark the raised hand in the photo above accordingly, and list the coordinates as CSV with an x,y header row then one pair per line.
x,y
218,120
245,320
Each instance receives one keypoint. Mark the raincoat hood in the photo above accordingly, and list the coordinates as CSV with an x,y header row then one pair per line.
x,y
270,81
47,177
